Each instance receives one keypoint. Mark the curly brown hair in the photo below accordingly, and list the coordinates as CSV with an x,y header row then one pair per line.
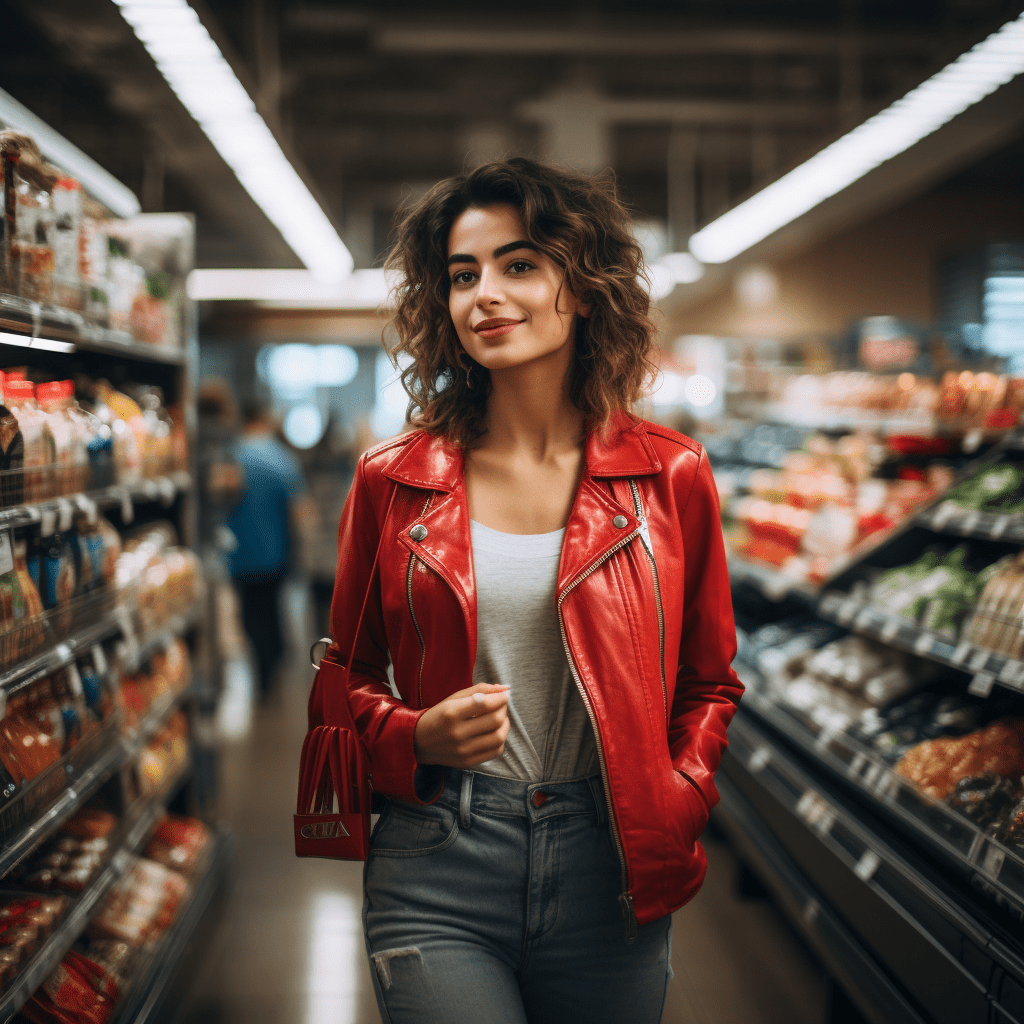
x,y
580,223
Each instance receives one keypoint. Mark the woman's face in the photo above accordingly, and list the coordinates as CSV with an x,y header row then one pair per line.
x,y
509,303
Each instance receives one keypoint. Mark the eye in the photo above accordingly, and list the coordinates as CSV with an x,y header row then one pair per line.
x,y
520,266
463,277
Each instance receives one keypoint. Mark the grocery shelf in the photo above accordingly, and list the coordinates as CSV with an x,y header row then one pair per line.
x,y
988,667
148,988
79,774
773,583
133,653
46,662
136,828
958,840
35,324
912,927
839,949
56,513
948,517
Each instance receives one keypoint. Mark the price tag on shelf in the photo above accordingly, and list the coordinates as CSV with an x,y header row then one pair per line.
x,y
824,821
47,522
75,679
979,659
88,507
993,861
863,619
890,628
856,766
999,524
981,684
806,803
65,514
824,738
32,513
970,522
942,514
923,643
867,865
759,759
127,508
1011,671
871,774
99,660
165,485
846,610
6,552
962,652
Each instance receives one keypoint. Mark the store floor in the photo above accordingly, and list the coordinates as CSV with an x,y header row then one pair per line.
x,y
289,948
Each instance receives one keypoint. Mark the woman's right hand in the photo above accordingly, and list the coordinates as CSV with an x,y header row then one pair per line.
x,y
465,729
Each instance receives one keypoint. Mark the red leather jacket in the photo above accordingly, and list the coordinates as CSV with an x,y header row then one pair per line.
x,y
646,615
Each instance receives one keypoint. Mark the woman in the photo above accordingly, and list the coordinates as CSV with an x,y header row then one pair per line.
x,y
552,595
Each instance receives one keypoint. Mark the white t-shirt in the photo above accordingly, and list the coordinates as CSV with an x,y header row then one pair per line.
x,y
519,644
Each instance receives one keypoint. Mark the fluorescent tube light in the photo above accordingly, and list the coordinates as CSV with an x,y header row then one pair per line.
x,y
204,82
959,85
26,341
101,184
362,289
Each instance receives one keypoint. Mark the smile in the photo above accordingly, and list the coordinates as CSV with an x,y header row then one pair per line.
x,y
495,328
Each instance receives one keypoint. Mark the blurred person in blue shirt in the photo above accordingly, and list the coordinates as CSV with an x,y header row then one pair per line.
x,y
273,507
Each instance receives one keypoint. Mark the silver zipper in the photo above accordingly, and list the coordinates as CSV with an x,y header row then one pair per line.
x,y
625,897
645,536
412,611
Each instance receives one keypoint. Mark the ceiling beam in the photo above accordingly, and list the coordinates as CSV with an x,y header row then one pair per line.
x,y
433,38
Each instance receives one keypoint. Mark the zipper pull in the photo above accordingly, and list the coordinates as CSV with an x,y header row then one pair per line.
x,y
628,915
645,535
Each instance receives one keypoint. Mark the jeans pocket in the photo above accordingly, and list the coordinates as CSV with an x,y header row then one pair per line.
x,y
411,830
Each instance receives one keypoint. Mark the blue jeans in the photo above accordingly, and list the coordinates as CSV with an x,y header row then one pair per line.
x,y
485,907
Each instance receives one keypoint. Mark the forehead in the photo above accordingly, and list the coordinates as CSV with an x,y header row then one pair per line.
x,y
479,231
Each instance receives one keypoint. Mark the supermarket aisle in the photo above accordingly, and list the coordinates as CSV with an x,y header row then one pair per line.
x,y
289,947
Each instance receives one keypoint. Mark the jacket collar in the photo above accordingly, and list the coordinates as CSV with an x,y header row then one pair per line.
x,y
623,449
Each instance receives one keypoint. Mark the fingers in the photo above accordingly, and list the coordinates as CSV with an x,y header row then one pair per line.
x,y
476,703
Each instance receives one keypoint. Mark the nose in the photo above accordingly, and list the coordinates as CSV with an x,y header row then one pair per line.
x,y
489,291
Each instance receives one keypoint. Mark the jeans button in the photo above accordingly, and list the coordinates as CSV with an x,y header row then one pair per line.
x,y
539,798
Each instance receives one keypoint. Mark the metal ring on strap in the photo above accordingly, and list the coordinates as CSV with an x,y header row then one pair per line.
x,y
327,641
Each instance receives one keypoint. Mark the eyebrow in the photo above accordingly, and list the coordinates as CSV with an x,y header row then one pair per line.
x,y
462,257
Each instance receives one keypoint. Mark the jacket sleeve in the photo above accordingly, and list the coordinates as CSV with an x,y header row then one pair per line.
x,y
385,723
707,688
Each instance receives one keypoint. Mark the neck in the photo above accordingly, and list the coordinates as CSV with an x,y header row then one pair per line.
x,y
529,410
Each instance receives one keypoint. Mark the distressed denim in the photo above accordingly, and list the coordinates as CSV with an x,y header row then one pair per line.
x,y
484,907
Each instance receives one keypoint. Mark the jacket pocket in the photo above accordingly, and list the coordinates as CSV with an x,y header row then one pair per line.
x,y
686,864
413,830
687,801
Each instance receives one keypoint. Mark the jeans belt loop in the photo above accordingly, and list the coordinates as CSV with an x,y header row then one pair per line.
x,y
598,793
465,799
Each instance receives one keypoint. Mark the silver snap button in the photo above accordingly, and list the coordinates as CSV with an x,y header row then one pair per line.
x,y
418,532
619,522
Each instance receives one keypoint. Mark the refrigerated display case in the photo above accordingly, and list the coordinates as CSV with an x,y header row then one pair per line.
x,y
875,775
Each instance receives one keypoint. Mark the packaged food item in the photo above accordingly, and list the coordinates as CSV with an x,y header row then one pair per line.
x,y
92,259
68,995
30,748
124,419
67,223
59,577
43,707
110,548
98,439
72,453
12,456
21,608
178,842
40,450
95,695
141,904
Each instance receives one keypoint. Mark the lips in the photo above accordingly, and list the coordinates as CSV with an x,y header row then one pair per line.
x,y
495,327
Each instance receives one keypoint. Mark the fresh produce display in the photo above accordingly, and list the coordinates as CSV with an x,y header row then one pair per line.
x,y
993,488
937,591
978,774
824,502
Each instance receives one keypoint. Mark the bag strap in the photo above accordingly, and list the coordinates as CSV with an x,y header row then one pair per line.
x,y
347,668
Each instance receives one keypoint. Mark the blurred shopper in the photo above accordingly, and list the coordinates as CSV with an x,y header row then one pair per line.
x,y
273,506
552,596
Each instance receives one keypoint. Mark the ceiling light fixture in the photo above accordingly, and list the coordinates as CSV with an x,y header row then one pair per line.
x,y
362,289
959,85
204,82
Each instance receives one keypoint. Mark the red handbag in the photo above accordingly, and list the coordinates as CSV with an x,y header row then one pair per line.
x,y
335,793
